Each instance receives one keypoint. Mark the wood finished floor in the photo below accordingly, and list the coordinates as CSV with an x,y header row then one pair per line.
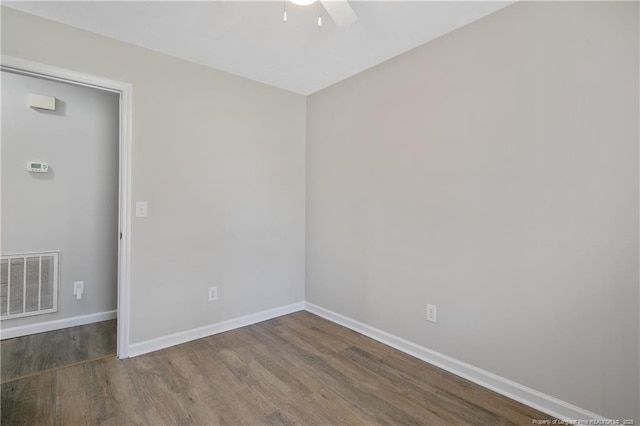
x,y
296,369
43,351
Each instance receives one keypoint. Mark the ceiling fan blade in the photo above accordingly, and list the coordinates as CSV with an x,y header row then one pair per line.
x,y
341,12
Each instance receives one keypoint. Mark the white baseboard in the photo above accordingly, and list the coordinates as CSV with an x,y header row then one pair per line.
x,y
41,327
547,404
538,400
136,349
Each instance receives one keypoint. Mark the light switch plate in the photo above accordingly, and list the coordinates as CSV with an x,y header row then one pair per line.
x,y
141,209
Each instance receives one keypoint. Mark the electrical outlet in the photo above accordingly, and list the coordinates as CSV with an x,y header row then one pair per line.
x,y
78,289
432,313
213,293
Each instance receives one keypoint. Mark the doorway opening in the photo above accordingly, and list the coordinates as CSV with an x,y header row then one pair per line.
x,y
107,242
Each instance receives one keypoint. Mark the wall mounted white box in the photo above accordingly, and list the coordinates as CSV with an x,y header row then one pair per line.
x,y
42,102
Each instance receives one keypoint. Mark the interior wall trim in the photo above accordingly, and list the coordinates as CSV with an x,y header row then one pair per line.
x,y
41,327
152,345
547,404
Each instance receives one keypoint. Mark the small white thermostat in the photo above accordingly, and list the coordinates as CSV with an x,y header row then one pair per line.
x,y
37,167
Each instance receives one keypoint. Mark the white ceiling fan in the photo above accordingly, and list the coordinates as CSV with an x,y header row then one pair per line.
x,y
339,10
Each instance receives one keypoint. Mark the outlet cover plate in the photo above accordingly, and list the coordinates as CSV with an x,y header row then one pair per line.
x,y
432,313
213,293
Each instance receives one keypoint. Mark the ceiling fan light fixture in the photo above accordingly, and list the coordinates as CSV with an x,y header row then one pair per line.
x,y
303,2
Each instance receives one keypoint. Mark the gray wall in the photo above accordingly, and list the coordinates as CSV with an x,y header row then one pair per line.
x,y
494,173
237,223
72,208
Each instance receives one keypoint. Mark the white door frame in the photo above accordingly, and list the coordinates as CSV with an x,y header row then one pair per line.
x,y
124,210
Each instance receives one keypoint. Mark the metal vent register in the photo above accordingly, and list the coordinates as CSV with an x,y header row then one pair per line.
x,y
28,284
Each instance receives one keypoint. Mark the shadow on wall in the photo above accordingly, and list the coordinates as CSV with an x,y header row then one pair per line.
x,y
49,175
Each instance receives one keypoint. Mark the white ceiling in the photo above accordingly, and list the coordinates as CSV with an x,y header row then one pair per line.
x,y
251,40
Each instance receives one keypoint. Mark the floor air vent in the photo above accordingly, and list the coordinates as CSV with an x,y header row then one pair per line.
x,y
28,284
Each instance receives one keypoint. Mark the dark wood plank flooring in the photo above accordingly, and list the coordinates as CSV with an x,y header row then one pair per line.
x,y
296,369
27,355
